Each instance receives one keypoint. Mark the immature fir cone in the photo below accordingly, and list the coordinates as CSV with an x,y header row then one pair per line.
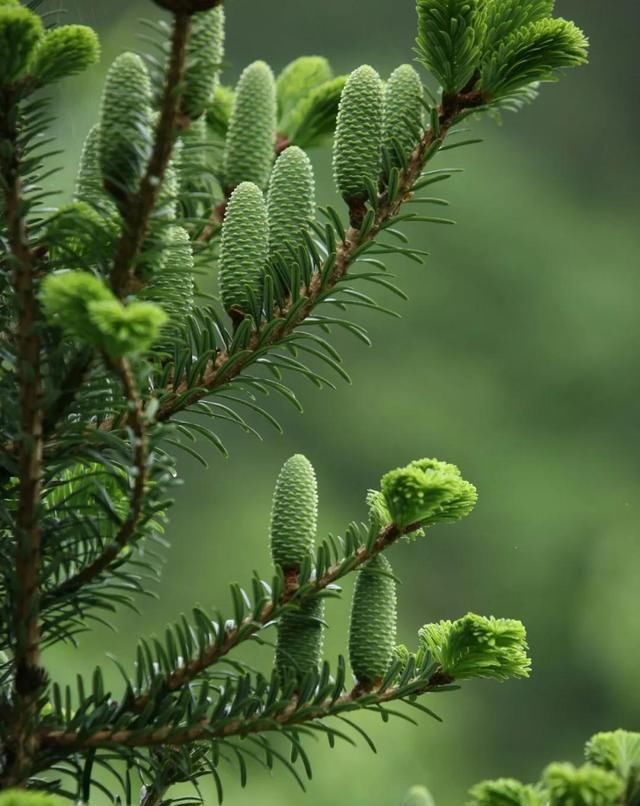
x,y
294,514
125,124
299,645
205,55
372,630
172,287
244,247
89,186
403,109
358,139
419,796
291,200
248,154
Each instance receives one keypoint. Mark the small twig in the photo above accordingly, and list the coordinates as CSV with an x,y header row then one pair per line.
x,y
172,736
140,206
29,675
136,422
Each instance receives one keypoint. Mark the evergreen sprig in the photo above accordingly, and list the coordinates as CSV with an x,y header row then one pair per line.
x,y
113,361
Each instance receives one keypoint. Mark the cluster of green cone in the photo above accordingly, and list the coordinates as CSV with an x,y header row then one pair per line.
x,y
473,646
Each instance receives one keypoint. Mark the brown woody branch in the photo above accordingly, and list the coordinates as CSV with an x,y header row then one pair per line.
x,y
139,207
29,675
170,736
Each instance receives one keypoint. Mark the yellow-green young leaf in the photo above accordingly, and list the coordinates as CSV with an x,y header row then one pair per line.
x,y
219,111
249,147
204,60
125,125
619,752
426,492
64,52
20,32
418,796
581,786
532,53
20,797
372,628
477,646
403,111
122,330
294,514
357,148
299,644
291,201
313,121
65,298
448,41
505,792
244,247
379,515
295,83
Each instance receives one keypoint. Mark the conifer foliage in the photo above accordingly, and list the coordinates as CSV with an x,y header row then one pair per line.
x,y
112,361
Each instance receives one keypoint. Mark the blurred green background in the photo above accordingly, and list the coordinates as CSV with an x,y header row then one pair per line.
x,y
516,358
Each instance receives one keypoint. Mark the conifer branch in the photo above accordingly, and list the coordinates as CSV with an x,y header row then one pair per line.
x,y
136,422
140,206
248,628
29,676
206,730
215,377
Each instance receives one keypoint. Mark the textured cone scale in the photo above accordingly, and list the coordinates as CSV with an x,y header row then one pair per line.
x,y
249,147
244,248
172,287
291,200
299,645
125,124
358,139
372,629
294,513
402,111
206,52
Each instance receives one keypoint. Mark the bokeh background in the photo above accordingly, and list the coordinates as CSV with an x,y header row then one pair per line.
x,y
516,358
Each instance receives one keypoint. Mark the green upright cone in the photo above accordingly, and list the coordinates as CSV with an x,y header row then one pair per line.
x,y
205,55
249,148
244,249
403,112
299,645
290,202
372,629
125,125
294,514
358,142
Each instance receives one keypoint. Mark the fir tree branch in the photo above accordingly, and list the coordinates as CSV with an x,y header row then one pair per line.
x,y
248,628
214,378
29,676
206,730
140,206
136,422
